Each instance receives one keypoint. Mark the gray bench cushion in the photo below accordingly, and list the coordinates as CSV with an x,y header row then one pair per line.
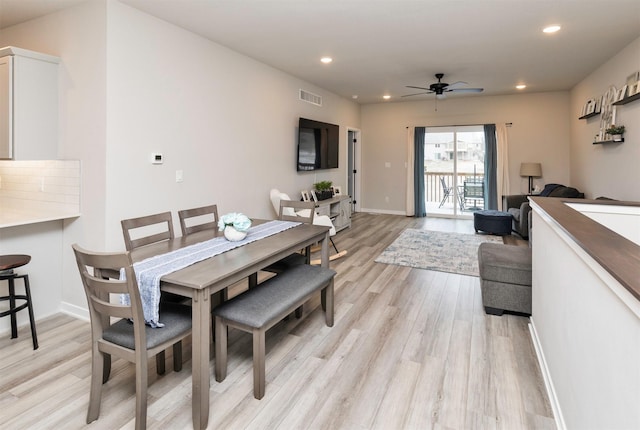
x,y
505,263
260,305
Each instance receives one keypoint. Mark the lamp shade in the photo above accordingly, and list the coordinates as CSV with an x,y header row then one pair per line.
x,y
531,169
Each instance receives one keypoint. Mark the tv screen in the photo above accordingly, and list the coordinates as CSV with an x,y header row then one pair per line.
x,y
318,145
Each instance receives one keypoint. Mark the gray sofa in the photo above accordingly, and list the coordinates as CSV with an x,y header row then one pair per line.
x,y
505,278
518,205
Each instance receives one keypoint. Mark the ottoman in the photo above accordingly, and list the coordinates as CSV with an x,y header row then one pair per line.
x,y
505,278
492,221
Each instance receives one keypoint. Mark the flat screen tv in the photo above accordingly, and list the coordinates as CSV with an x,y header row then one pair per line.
x,y
318,145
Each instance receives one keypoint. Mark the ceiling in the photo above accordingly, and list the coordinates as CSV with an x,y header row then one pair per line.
x,y
380,46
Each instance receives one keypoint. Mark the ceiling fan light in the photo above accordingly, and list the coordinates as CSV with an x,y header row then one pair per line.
x,y
386,97
326,60
551,29
521,86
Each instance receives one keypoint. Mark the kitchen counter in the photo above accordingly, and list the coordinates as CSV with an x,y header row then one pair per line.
x,y
12,218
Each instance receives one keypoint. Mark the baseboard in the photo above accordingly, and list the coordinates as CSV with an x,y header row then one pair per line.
x,y
75,311
382,211
546,376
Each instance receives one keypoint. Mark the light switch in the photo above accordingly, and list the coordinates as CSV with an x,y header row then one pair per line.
x,y
387,164
178,175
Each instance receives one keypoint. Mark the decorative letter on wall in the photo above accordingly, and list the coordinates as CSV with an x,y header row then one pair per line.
x,y
608,112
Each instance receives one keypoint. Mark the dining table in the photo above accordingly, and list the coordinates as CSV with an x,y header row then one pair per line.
x,y
211,275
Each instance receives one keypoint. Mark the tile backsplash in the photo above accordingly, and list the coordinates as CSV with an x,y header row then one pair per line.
x,y
40,184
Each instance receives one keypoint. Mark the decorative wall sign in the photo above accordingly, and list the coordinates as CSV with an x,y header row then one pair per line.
x,y
608,112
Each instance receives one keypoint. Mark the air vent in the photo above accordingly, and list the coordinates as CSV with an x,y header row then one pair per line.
x,y
308,97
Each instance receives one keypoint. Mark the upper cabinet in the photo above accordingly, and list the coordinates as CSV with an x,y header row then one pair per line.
x,y
28,105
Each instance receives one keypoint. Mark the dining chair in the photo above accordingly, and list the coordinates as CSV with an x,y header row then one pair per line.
x,y
129,337
158,227
147,230
198,214
291,210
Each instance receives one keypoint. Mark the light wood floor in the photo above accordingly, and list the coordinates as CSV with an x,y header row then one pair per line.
x,y
410,349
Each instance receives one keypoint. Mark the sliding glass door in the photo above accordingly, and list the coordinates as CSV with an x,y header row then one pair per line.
x,y
454,160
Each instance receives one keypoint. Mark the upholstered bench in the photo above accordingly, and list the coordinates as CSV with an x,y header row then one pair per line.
x,y
260,308
505,278
492,221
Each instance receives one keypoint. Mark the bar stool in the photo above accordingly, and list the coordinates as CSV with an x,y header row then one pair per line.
x,y
7,264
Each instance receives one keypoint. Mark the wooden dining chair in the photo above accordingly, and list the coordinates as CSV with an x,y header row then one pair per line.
x,y
129,338
189,219
157,227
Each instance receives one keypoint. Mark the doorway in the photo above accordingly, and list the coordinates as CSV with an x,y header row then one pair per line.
x,y
454,165
353,168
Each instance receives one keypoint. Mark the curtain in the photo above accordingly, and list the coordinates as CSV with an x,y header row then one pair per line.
x,y
409,203
502,177
490,167
418,173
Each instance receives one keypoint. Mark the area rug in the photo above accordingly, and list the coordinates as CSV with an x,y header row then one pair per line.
x,y
436,250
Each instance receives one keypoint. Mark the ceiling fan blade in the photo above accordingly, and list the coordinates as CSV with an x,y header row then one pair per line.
x,y
457,84
466,90
418,88
416,94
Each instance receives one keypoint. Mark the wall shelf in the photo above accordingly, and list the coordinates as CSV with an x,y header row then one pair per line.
x,y
589,115
626,100
608,141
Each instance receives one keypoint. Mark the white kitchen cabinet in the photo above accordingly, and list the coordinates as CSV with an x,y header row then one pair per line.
x,y
28,105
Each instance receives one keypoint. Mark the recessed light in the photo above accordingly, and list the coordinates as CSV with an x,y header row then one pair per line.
x,y
551,29
386,97
326,60
521,86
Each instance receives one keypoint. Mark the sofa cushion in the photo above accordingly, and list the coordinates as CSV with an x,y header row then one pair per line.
x,y
515,213
557,190
508,264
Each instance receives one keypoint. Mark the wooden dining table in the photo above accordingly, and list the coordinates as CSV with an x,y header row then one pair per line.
x,y
202,279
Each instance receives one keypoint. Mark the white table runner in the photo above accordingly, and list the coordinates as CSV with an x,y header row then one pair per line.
x,y
148,272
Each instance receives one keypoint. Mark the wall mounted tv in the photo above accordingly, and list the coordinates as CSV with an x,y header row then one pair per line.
x,y
318,145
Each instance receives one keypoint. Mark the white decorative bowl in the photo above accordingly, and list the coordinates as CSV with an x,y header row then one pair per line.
x,y
234,235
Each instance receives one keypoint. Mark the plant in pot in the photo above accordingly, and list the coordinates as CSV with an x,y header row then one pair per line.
x,y
615,131
323,190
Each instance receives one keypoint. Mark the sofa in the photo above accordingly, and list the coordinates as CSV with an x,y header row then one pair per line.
x,y
518,205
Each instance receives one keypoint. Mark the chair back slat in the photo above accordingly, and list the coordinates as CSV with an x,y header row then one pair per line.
x,y
99,290
303,211
162,221
202,213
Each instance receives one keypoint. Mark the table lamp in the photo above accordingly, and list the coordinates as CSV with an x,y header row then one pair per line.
x,y
532,170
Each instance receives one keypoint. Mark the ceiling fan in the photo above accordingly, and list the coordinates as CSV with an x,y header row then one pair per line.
x,y
440,88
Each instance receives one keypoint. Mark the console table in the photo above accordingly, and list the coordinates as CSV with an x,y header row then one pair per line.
x,y
337,208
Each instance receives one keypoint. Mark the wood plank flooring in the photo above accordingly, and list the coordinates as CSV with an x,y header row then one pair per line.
x,y
410,349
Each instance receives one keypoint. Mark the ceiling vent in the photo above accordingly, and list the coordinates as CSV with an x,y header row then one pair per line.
x,y
308,97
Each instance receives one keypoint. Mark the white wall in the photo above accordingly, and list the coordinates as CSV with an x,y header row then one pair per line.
x,y
540,133
77,36
228,122
610,170
131,84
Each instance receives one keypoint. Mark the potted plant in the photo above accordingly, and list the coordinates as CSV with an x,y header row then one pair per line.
x,y
234,225
323,190
616,131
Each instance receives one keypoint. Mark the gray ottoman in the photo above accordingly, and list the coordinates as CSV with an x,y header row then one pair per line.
x,y
492,221
505,278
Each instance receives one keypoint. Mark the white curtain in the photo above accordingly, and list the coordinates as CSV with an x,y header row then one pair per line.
x,y
410,200
502,177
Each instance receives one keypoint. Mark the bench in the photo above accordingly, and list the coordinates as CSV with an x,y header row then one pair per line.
x,y
260,308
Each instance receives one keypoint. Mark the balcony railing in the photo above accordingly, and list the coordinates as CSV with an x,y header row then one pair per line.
x,y
434,191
